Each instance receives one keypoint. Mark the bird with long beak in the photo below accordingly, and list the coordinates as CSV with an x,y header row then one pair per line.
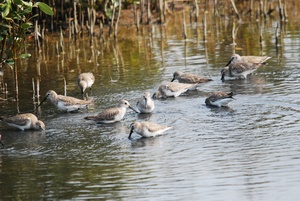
x,y
238,70
65,103
112,115
236,58
189,78
146,104
238,67
147,129
172,89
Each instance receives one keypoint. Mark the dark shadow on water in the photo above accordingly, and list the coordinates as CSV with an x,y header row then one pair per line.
x,y
252,85
114,125
22,139
220,109
144,117
138,142
116,129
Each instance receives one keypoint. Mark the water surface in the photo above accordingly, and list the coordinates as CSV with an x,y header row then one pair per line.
x,y
248,151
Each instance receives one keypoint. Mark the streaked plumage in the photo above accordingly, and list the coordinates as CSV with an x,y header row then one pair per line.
x,y
219,99
147,129
84,81
112,115
66,103
189,78
236,58
172,89
145,104
27,121
238,70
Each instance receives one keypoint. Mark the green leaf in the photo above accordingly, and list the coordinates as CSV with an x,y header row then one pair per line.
x,y
10,63
6,26
26,25
17,16
109,13
18,2
45,8
23,56
27,10
29,4
5,11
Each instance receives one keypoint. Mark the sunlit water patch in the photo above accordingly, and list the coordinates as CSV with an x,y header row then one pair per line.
x,y
248,151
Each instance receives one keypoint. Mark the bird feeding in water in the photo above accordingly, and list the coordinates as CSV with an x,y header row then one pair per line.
x,y
112,115
146,104
189,78
65,103
172,89
219,99
84,81
27,121
147,129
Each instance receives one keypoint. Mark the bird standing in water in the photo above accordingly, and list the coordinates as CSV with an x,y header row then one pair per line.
x,y
84,81
189,78
236,58
147,129
65,103
219,99
112,115
145,104
27,121
172,89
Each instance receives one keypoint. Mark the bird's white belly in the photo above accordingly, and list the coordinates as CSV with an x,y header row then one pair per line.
x,y
221,102
21,127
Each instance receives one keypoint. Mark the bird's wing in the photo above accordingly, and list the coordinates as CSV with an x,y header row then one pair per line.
x,y
72,101
19,120
108,114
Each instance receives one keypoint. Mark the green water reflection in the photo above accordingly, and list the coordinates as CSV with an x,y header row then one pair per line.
x,y
76,159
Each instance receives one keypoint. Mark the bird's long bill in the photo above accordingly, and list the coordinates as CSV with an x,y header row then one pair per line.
x,y
173,79
43,101
155,95
223,75
230,95
131,131
133,109
146,102
1,142
230,61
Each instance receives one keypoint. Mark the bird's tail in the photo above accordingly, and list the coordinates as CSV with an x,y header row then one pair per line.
x,y
90,117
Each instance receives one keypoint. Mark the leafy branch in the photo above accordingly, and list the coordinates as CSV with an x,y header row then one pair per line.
x,y
15,23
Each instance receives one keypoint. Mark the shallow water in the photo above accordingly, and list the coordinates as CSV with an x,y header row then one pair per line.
x,y
248,151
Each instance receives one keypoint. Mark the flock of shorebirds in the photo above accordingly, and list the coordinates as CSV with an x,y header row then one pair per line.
x,y
238,67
